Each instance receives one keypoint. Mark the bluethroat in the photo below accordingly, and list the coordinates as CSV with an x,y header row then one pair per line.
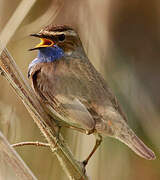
x,y
64,78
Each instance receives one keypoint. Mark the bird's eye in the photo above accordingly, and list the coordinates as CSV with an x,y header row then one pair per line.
x,y
61,37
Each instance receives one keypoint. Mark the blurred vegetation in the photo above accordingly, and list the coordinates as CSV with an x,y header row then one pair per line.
x,y
122,40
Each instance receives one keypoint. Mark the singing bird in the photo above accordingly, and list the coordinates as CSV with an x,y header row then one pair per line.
x,y
64,79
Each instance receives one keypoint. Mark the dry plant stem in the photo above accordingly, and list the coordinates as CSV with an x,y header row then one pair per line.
x,y
73,169
11,165
21,11
36,143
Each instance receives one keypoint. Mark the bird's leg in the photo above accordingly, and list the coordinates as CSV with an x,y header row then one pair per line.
x,y
82,130
57,128
87,132
63,123
58,132
74,128
97,144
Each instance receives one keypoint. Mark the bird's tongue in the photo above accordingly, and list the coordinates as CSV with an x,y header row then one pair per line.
x,y
45,43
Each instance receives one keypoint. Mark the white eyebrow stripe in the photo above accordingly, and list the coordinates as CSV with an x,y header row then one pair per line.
x,y
68,32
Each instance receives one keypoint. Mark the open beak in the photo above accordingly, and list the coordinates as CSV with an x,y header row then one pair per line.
x,y
44,42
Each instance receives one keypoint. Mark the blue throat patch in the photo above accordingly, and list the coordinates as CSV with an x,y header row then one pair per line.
x,y
46,55
50,54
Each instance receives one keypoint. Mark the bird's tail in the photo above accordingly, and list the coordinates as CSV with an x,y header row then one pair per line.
x,y
116,127
133,142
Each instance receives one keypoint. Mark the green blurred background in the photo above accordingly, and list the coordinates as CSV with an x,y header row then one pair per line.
x,y
122,40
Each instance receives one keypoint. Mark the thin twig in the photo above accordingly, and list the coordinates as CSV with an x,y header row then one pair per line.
x,y
33,143
73,168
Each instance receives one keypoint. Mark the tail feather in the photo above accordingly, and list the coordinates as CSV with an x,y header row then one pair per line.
x,y
137,145
113,125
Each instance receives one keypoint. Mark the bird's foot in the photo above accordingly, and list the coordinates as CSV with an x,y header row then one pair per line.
x,y
58,132
58,128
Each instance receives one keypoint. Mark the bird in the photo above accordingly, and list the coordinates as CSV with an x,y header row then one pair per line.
x,y
64,79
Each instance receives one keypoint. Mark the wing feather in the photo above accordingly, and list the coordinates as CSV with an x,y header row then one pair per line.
x,y
75,90
67,106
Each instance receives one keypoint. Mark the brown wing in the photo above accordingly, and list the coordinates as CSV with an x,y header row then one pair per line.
x,y
47,83
75,90
105,91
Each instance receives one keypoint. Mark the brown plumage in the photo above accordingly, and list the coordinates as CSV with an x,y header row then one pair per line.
x,y
57,28
73,88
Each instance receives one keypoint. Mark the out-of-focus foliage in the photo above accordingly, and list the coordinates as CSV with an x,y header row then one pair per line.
x,y
122,41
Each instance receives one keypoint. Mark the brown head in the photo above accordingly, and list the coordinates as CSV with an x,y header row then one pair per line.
x,y
62,35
